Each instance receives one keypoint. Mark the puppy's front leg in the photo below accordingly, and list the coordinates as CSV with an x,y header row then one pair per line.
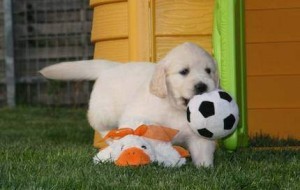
x,y
202,151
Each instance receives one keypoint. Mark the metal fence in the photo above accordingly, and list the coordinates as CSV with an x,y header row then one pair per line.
x,y
3,98
47,32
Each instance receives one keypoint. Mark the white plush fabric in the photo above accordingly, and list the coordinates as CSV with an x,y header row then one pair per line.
x,y
160,152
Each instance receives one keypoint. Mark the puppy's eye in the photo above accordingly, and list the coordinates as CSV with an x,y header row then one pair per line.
x,y
184,72
208,70
143,147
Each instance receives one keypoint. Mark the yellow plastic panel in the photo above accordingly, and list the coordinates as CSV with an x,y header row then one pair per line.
x,y
274,91
173,17
282,123
139,30
165,44
273,59
272,4
273,69
110,21
94,3
115,50
278,25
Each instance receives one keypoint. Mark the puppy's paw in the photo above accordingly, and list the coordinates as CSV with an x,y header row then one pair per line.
x,y
203,163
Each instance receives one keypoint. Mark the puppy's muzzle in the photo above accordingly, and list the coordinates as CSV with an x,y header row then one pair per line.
x,y
200,88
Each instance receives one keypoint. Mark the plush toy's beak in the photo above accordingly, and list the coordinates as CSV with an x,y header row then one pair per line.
x,y
133,157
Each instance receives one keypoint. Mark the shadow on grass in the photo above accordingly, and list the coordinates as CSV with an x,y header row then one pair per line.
x,y
264,140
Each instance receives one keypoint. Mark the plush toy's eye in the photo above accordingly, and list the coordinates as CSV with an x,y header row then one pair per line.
x,y
122,147
143,147
208,70
184,71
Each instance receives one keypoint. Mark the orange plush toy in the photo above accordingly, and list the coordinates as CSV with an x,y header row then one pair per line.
x,y
146,144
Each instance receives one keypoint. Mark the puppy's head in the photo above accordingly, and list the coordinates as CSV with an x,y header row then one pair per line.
x,y
187,70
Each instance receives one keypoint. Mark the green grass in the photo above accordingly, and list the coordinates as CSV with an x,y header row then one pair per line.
x,y
43,148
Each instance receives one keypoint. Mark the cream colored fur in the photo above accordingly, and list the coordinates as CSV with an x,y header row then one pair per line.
x,y
127,95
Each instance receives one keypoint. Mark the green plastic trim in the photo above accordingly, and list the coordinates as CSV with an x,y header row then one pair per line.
x,y
229,52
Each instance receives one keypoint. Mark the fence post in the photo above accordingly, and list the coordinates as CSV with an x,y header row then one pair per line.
x,y
9,53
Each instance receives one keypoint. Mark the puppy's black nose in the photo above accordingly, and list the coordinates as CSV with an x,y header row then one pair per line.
x,y
200,88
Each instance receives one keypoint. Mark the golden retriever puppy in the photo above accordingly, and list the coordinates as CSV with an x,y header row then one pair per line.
x,y
128,95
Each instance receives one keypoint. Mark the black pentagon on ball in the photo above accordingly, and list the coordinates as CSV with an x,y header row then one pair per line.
x,y
188,114
229,122
207,109
205,133
225,96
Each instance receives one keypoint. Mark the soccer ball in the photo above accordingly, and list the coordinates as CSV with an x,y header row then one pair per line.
x,y
213,115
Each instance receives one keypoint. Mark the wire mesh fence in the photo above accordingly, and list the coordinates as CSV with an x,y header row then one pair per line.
x,y
48,32
2,67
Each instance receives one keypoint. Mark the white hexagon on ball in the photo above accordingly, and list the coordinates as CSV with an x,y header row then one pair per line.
x,y
213,115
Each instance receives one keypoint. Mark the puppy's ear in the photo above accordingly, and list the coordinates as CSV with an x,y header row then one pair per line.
x,y
158,86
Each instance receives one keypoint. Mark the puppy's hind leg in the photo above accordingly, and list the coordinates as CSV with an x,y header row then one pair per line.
x,y
101,129
98,124
102,114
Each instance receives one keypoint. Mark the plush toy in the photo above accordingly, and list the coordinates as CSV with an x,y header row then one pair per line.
x,y
213,115
146,144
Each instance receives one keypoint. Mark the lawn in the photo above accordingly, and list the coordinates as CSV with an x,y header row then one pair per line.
x,y
51,148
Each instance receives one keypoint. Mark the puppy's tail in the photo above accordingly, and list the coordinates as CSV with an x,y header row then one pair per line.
x,y
77,70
